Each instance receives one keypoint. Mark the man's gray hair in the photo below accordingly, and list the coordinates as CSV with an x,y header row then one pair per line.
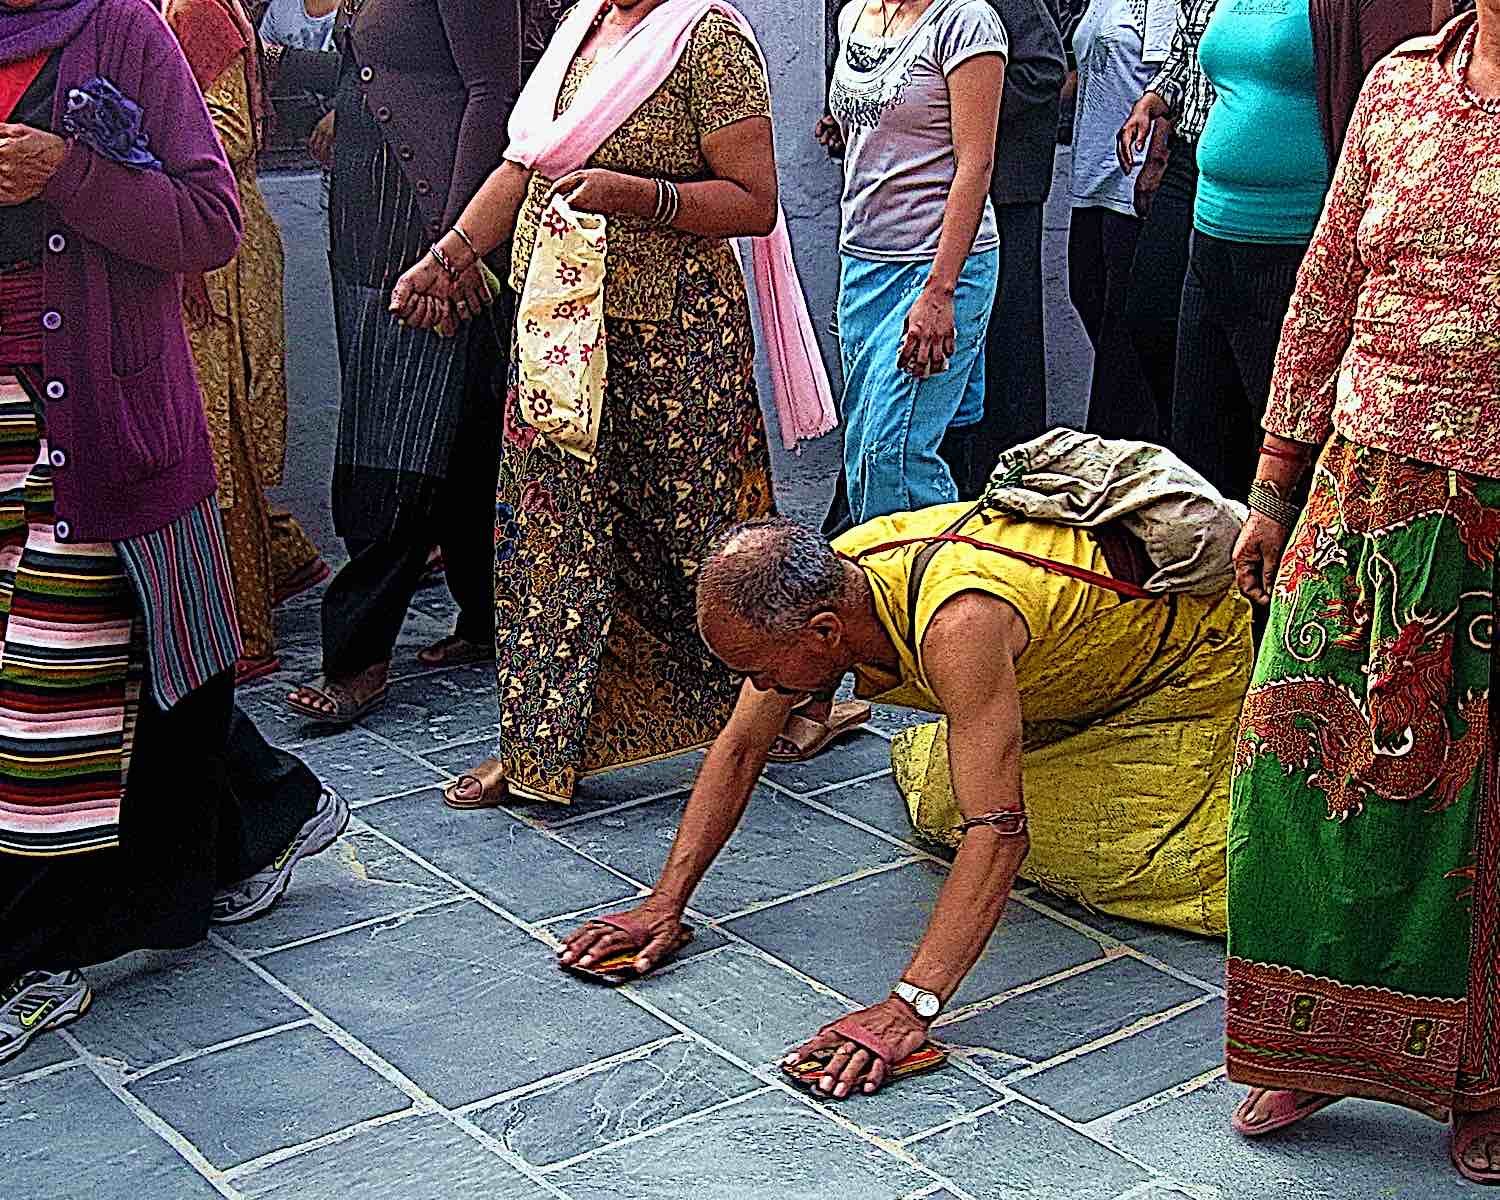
x,y
773,574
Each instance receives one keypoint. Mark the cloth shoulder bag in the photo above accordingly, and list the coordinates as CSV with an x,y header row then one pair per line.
x,y
1187,528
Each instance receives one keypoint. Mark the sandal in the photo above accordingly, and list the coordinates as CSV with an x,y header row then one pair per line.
x,y
303,579
620,968
1290,1108
248,670
490,776
803,738
347,708
927,1057
436,569
454,651
1467,1130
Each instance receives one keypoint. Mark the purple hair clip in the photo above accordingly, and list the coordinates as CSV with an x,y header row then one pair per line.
x,y
109,123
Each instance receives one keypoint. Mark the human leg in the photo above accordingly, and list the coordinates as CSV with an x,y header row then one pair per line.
x,y
1120,405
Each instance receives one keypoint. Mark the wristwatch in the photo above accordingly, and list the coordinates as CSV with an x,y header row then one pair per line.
x,y
926,1004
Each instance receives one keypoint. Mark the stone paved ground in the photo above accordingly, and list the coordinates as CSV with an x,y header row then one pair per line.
x,y
397,1030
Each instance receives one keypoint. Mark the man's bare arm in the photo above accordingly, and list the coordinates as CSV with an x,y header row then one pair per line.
x,y
970,651
730,772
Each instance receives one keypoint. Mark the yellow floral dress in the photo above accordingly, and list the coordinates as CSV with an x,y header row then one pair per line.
x,y
598,657
240,356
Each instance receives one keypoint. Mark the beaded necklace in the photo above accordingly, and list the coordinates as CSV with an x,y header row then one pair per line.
x,y
1461,61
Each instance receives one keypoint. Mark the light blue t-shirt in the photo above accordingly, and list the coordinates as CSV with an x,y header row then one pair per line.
x,y
1262,162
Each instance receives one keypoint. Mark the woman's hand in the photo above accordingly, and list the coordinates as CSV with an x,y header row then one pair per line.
x,y
29,158
931,335
471,294
422,298
1257,557
608,193
320,142
1136,132
830,136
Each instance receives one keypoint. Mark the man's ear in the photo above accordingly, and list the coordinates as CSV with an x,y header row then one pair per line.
x,y
827,627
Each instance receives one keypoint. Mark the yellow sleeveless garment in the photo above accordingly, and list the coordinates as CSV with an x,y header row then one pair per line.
x,y
1130,711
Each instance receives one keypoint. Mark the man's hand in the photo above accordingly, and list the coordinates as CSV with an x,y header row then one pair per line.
x,y
596,941
853,1068
29,158
1154,169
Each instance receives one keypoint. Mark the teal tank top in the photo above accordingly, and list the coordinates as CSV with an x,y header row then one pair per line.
x,y
1262,162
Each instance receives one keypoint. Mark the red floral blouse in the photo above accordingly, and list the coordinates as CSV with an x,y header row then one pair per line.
x,y
1393,335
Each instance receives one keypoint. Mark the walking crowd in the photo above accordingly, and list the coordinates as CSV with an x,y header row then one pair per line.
x,y
1223,655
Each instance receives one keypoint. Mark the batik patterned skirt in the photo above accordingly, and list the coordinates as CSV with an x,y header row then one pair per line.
x,y
599,660
1364,847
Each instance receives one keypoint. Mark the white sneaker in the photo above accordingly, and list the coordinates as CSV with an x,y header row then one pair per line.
x,y
257,895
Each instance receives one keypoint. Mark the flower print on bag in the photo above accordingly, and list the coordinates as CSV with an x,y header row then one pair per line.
x,y
569,274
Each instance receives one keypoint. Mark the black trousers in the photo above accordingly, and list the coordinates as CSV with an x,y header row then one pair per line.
x,y
1234,300
1154,301
1015,367
208,803
365,604
1101,253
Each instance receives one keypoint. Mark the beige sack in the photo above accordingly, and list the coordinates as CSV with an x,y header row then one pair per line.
x,y
560,330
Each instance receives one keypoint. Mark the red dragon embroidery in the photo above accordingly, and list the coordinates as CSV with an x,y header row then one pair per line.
x,y
1396,746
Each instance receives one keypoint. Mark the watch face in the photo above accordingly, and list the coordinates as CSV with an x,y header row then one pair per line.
x,y
927,1004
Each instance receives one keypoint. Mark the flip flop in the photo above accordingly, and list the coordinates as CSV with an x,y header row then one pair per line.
x,y
1464,1139
454,651
303,579
927,1057
346,709
248,670
490,776
1287,1112
808,738
619,968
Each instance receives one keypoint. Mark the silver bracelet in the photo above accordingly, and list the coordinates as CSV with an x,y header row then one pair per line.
x,y
1266,499
674,205
442,260
466,240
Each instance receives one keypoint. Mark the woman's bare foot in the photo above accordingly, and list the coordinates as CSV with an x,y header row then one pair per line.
x,y
480,787
1476,1146
1266,1110
341,699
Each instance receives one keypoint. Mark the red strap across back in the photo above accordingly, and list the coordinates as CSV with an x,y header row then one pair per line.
x,y
15,78
1082,574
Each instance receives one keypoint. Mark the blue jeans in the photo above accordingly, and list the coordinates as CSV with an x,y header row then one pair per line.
x,y
893,423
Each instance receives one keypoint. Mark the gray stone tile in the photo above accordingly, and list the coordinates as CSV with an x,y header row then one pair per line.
x,y
1353,1150
781,846
46,1051
1134,1068
518,868
564,1120
280,1091
738,1000
66,1137
359,878
859,937
415,1158
438,708
1073,1012
463,1003
1019,1154
876,802
853,755
153,1006
1200,957
768,1148
364,768
911,1106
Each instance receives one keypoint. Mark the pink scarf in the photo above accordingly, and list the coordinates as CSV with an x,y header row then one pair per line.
x,y
625,77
